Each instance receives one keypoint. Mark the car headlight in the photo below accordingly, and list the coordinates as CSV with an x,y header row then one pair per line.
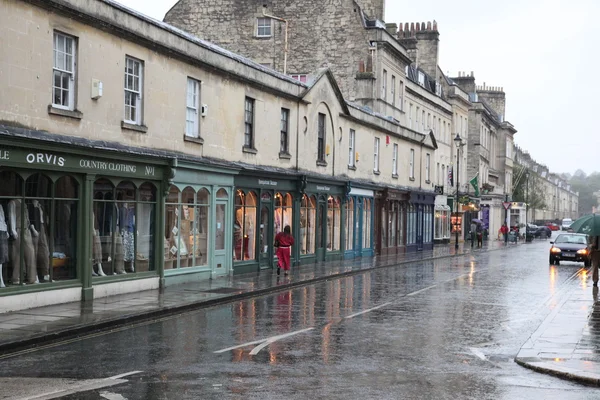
x,y
582,251
555,250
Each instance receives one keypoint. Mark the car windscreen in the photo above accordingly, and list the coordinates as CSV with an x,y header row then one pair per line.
x,y
575,239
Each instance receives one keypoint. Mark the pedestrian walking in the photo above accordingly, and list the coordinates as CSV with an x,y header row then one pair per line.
x,y
473,233
504,231
479,236
595,257
284,241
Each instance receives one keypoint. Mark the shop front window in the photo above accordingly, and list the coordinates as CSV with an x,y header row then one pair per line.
x,y
367,224
411,230
244,228
349,224
333,223
384,227
392,221
145,228
201,218
400,225
283,211
38,219
308,213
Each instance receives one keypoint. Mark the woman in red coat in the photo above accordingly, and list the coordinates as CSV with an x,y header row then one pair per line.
x,y
284,241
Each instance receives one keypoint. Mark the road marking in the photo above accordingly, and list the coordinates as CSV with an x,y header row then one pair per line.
x,y
264,342
478,354
112,396
86,385
366,311
276,338
420,291
241,345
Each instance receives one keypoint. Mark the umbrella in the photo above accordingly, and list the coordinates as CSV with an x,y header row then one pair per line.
x,y
477,221
589,224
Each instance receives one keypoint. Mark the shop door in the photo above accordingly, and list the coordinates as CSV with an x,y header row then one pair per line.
x,y
222,264
321,230
419,227
359,227
265,250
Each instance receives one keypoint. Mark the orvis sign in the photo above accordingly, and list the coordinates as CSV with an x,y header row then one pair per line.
x,y
58,161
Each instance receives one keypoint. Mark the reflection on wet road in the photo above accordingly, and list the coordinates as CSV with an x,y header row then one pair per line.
x,y
447,329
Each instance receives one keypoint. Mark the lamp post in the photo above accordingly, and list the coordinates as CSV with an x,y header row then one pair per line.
x,y
526,202
458,142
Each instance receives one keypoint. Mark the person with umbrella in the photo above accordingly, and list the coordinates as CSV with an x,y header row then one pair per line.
x,y
590,225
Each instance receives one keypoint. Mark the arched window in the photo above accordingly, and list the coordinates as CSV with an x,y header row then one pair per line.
x,y
349,224
222,194
244,226
367,224
283,211
308,213
202,217
333,223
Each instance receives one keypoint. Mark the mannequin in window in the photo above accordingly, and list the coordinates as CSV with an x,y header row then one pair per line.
x,y
37,218
117,245
127,224
21,238
3,243
96,248
237,239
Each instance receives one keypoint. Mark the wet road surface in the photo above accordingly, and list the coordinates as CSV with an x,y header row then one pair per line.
x,y
447,329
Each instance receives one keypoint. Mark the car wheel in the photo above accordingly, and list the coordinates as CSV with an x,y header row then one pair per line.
x,y
557,262
551,261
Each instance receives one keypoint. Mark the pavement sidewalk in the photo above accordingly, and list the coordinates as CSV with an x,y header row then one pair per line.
x,y
567,343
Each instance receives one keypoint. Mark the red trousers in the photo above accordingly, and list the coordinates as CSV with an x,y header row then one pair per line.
x,y
283,256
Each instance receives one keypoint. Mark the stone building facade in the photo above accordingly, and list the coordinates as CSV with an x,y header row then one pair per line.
x,y
161,158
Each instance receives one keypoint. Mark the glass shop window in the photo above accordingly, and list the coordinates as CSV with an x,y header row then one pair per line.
x,y
308,225
38,218
244,226
349,224
283,211
367,224
333,223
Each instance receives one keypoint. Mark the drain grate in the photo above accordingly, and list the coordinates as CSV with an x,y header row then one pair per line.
x,y
223,290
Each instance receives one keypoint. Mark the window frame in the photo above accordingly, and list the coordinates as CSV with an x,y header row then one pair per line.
x,y
284,130
427,167
72,75
393,90
321,132
411,165
395,160
264,26
376,154
384,86
139,105
249,107
195,108
351,148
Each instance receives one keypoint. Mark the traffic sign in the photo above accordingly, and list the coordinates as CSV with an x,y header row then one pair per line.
x,y
506,204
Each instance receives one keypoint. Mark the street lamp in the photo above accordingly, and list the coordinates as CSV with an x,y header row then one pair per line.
x,y
458,142
526,201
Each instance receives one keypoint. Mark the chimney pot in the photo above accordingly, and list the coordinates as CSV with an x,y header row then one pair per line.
x,y
429,25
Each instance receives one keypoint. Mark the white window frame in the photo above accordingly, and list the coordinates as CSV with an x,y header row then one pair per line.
x,y
351,148
395,160
427,167
261,23
421,77
192,108
384,85
411,164
376,155
416,128
423,121
401,95
393,90
410,116
131,90
300,77
68,70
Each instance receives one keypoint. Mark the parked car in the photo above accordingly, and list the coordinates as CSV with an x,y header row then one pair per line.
x,y
570,247
553,226
542,232
566,224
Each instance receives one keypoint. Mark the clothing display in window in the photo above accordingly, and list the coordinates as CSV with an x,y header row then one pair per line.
x,y
3,243
96,248
37,218
21,237
127,224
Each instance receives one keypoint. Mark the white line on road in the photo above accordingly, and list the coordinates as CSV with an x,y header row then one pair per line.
x,y
241,345
112,396
366,311
420,291
276,338
123,375
478,353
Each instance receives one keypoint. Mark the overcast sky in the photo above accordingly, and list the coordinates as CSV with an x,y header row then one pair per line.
x,y
540,51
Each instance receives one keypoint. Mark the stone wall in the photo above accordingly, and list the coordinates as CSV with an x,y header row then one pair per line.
x,y
322,33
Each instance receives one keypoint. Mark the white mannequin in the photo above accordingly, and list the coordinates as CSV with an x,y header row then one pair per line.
x,y
35,233
3,231
28,251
